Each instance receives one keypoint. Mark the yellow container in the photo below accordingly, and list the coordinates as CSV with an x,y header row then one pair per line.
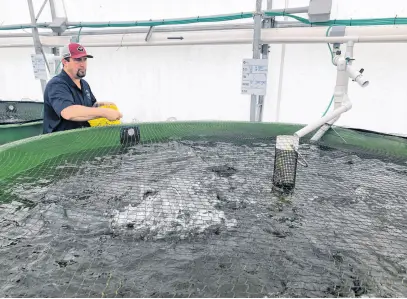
x,y
102,122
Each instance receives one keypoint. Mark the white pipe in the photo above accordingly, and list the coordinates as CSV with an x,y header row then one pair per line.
x,y
344,72
340,92
377,30
356,76
344,39
290,10
348,54
342,79
243,36
121,31
281,76
241,41
227,41
172,28
169,43
321,132
17,45
313,126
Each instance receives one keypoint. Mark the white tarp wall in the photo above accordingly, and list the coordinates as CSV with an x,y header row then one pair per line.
x,y
203,82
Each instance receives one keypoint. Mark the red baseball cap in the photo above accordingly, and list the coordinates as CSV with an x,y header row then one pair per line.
x,y
75,50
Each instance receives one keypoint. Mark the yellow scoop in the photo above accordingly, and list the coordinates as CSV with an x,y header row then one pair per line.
x,y
102,122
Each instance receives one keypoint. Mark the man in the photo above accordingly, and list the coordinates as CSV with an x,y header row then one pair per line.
x,y
68,100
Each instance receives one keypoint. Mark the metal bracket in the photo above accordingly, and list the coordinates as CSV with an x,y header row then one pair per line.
x,y
73,39
149,33
58,25
268,22
337,31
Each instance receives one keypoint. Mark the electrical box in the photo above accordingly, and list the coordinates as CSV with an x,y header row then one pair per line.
x,y
319,10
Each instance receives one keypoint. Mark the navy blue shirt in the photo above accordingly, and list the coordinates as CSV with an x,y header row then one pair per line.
x,y
60,93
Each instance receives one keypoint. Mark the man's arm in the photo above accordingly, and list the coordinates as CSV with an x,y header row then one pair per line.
x,y
82,113
63,104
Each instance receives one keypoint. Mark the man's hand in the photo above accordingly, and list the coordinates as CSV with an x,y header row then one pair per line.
x,y
112,114
98,104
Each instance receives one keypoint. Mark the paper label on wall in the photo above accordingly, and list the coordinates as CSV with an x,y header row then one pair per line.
x,y
39,66
254,76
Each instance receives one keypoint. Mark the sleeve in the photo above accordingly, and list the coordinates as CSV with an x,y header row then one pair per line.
x,y
60,97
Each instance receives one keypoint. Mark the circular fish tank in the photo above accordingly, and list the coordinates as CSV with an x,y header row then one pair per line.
x,y
188,209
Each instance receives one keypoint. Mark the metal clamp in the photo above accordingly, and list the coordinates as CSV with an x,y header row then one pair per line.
x,y
305,164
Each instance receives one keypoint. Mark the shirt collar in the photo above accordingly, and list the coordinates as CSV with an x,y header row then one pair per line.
x,y
68,79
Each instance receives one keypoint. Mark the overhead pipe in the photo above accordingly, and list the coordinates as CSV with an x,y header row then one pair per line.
x,y
308,32
198,19
175,28
229,41
344,39
382,34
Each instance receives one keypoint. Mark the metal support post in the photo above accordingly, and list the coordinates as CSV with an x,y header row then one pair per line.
x,y
256,53
53,10
267,23
55,50
41,9
36,37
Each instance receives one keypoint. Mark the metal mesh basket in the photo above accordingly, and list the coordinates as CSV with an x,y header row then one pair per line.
x,y
285,163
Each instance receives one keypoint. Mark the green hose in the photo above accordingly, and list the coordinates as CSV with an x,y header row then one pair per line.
x,y
329,106
224,18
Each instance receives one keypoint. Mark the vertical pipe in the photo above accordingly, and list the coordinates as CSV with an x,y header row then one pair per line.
x,y
267,23
281,75
349,54
256,53
341,89
342,84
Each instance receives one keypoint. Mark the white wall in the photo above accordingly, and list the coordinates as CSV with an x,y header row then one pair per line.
x,y
203,82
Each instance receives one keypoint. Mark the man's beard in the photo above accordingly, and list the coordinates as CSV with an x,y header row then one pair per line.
x,y
80,74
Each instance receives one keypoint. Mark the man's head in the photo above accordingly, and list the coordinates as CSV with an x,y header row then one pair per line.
x,y
74,59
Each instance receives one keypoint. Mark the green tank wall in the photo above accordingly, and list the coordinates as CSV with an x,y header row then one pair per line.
x,y
14,132
20,119
25,154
